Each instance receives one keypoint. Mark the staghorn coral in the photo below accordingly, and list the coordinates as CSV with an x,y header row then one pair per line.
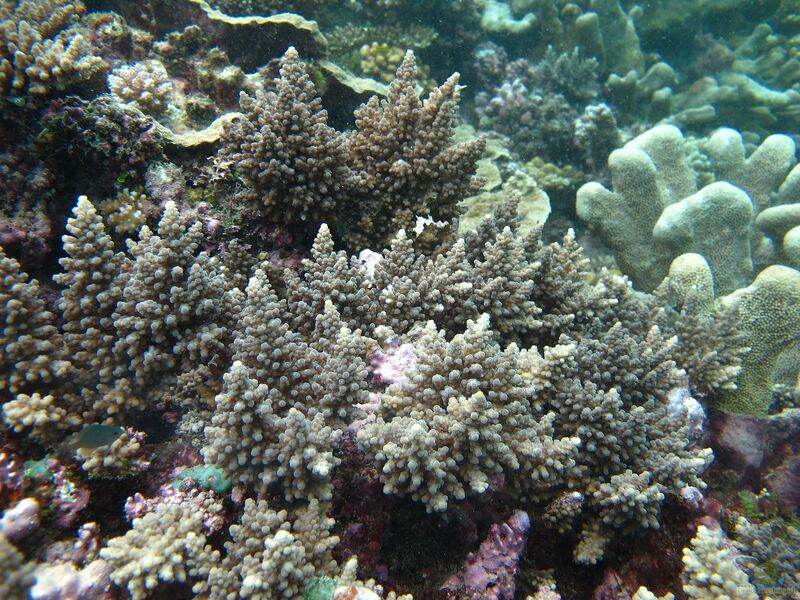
x,y
404,161
30,354
127,324
397,164
290,399
536,105
461,417
16,576
578,412
164,546
597,135
292,448
292,162
268,556
125,212
42,48
710,569
583,407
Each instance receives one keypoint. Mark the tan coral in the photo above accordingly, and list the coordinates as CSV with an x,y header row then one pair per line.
x,y
42,48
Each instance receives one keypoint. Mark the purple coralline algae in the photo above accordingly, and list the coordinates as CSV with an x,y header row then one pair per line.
x,y
491,572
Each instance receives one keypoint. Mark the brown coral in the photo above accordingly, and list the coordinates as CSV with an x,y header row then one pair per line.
x,y
291,161
408,166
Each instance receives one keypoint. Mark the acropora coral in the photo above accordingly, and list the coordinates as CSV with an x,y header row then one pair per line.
x,y
262,356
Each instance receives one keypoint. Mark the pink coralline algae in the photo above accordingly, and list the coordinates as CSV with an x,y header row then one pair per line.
x,y
490,573
392,367
203,501
69,499
21,520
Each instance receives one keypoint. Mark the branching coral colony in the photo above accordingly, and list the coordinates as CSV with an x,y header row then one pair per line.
x,y
523,377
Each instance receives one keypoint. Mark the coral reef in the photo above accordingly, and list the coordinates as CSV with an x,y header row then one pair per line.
x,y
286,351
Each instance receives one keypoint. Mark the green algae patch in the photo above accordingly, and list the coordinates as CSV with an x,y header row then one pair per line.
x,y
208,478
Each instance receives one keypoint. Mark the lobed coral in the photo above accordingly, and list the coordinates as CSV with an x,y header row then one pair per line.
x,y
656,212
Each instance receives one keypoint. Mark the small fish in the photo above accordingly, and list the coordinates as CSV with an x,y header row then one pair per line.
x,y
95,436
